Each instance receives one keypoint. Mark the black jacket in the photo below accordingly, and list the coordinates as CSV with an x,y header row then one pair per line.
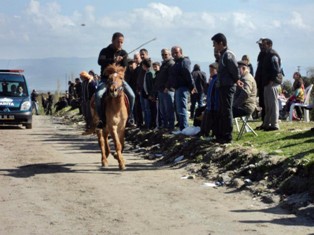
x,y
228,73
162,77
180,75
270,69
199,80
106,57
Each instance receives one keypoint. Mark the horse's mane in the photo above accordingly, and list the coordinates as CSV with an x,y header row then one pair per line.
x,y
112,69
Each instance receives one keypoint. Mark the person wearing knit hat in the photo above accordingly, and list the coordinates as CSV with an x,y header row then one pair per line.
x,y
214,65
88,90
210,117
85,75
271,68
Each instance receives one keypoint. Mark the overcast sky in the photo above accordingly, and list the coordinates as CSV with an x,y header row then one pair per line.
x,y
81,28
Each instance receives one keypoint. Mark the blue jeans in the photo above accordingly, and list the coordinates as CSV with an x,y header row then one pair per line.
x,y
196,98
147,112
181,99
166,102
35,106
101,89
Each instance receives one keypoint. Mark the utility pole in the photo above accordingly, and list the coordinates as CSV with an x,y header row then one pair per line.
x,y
298,68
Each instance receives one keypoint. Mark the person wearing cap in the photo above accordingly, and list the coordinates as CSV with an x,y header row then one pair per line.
x,y
244,102
271,67
34,96
258,78
210,121
156,67
228,77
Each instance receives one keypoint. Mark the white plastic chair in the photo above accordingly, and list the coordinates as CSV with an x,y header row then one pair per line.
x,y
307,96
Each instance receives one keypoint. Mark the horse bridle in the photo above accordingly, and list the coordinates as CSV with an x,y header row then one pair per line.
x,y
118,89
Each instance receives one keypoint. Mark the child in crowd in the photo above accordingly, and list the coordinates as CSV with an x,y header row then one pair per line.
x,y
297,96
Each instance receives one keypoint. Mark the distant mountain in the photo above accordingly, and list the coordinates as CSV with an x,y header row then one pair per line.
x,y
51,74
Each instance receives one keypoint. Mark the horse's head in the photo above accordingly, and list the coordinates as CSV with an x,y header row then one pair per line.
x,y
115,77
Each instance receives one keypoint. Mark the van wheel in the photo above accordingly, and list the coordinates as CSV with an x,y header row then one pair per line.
x,y
29,126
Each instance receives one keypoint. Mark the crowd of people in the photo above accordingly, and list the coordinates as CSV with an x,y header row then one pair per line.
x,y
159,92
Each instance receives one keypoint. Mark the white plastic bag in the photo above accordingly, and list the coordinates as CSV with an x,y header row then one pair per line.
x,y
191,130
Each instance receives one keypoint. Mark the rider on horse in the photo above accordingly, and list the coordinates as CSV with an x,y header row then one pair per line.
x,y
113,54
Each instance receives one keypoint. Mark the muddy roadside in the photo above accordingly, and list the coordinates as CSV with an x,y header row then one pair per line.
x,y
270,178
52,183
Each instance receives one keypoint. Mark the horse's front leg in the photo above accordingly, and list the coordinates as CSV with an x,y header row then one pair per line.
x,y
103,147
118,147
121,134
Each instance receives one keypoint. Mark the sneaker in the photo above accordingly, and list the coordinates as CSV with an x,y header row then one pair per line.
x,y
130,123
100,125
176,132
261,127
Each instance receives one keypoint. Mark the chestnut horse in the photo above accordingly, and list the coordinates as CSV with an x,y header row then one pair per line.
x,y
116,116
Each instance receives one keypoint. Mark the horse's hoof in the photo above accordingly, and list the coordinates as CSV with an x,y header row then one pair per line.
x,y
104,164
122,168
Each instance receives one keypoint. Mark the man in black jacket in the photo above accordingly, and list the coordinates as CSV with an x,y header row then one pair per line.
x,y
228,77
258,78
165,92
271,67
112,54
200,83
34,96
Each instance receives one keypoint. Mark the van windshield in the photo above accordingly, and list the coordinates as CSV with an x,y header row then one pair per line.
x,y
13,85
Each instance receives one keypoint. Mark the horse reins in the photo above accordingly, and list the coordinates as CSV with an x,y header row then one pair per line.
x,y
118,89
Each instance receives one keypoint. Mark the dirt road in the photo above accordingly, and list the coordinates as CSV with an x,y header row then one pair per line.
x,y
52,183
